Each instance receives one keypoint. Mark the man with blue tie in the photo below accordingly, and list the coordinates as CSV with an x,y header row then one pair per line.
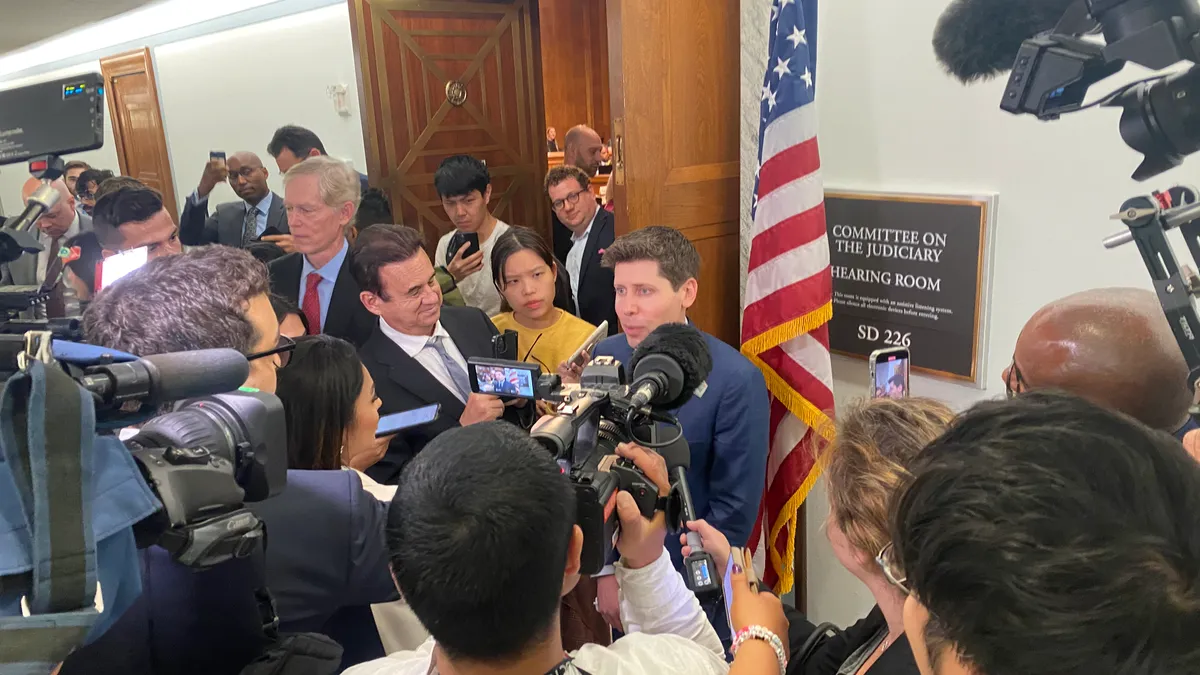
x,y
238,224
321,197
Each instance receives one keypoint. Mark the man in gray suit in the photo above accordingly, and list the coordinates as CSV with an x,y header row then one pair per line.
x,y
55,227
259,214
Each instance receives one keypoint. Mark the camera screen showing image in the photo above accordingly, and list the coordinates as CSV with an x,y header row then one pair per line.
x,y
891,376
507,379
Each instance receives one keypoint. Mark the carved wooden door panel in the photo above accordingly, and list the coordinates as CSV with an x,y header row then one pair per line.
x,y
443,77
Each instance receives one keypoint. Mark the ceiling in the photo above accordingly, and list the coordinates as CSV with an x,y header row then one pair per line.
x,y
24,23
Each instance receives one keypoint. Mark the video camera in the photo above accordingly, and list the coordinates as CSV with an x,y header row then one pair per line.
x,y
603,411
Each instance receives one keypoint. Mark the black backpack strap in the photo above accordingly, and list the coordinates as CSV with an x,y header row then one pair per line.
x,y
47,427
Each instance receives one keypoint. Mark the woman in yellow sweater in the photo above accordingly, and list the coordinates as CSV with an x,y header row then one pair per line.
x,y
525,271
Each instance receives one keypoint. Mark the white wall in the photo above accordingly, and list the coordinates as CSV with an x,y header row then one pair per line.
x,y
13,176
230,90
892,120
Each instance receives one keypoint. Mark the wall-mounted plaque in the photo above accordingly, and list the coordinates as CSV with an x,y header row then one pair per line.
x,y
910,270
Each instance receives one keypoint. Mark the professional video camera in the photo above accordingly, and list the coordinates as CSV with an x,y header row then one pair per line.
x,y
1052,70
603,411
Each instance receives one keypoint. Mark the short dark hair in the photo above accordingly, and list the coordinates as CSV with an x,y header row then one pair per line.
x,y
319,389
194,300
299,140
96,176
1052,524
76,164
374,208
562,173
459,175
677,258
284,308
122,200
478,534
380,245
517,239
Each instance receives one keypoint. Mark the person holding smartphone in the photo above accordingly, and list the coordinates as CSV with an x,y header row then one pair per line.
x,y
526,274
465,188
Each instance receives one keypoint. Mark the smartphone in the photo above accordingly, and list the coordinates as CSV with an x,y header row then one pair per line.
x,y
735,555
116,266
390,424
889,372
217,155
472,239
592,340
506,379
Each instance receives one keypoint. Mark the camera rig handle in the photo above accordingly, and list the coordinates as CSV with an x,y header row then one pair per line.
x,y
1148,219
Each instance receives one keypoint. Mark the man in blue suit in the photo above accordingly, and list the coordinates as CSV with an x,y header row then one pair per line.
x,y
655,272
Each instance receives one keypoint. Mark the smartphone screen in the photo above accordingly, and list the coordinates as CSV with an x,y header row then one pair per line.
x,y
116,266
472,239
217,155
390,424
734,552
890,367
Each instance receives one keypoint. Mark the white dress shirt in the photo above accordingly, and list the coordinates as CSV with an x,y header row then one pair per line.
x,y
417,346
43,260
666,632
477,289
575,258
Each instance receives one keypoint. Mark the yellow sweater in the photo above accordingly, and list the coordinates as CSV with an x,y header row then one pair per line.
x,y
556,343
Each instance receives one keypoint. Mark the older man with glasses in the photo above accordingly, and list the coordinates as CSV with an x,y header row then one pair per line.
x,y
326,562
1112,346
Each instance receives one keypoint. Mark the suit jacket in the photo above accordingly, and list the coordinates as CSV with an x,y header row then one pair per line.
x,y
346,318
197,228
403,384
597,300
23,270
829,653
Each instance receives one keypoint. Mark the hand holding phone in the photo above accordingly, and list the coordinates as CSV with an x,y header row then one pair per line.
x,y
586,347
215,172
467,260
397,422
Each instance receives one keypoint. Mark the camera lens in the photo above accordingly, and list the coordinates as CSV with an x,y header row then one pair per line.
x,y
1161,120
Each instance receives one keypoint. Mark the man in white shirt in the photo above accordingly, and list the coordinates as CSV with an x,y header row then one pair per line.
x,y
484,543
417,353
465,188
592,231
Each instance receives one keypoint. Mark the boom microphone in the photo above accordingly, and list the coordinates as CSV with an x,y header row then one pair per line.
x,y
163,378
668,366
979,39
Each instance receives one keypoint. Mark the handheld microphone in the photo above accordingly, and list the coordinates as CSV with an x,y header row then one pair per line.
x,y
979,39
701,570
668,366
163,378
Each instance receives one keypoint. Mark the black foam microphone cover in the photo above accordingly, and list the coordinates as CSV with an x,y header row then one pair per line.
x,y
197,373
686,346
979,39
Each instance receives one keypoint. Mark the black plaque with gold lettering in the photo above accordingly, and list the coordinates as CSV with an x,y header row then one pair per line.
x,y
908,271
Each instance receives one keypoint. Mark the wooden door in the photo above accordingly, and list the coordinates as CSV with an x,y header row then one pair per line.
x,y
574,41
443,77
137,126
676,104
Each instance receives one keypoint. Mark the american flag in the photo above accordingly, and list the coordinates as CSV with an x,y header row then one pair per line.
x,y
789,290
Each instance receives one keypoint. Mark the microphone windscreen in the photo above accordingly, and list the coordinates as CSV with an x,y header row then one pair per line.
x,y
678,453
979,39
683,344
197,373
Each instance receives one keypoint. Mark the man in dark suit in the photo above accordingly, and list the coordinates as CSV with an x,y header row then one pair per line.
x,y
236,224
591,231
582,147
419,349
54,228
292,144
317,276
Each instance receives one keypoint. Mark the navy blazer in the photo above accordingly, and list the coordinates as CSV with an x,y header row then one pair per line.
x,y
597,299
207,622
727,431
347,318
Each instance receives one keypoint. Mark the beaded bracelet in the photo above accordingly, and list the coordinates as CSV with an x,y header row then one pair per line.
x,y
764,634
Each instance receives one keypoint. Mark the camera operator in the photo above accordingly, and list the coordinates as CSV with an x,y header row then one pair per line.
x,y
129,214
1112,346
322,526
484,543
1046,535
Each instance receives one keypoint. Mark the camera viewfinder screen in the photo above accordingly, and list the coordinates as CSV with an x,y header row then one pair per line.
x,y
504,381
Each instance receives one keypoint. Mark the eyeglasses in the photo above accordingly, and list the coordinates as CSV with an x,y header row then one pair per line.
x,y
571,199
283,348
891,571
1015,383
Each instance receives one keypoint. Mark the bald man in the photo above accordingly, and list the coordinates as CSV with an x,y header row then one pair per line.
x,y
258,213
55,227
1112,346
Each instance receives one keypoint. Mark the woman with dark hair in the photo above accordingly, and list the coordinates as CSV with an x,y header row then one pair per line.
x,y
531,283
292,322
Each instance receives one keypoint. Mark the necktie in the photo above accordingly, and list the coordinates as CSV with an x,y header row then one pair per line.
x,y
312,303
56,305
459,376
250,226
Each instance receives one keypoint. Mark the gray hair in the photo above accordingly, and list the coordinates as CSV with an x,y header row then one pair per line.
x,y
338,182
194,300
